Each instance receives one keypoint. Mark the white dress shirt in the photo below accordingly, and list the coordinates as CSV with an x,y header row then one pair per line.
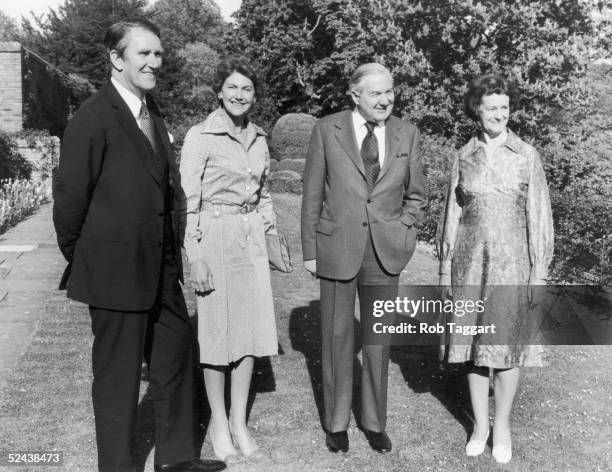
x,y
361,130
132,101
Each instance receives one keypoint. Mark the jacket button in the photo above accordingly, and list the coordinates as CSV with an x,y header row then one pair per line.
x,y
365,223
369,201
159,244
160,214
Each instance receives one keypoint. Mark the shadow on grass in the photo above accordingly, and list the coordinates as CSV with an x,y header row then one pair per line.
x,y
305,336
423,372
420,367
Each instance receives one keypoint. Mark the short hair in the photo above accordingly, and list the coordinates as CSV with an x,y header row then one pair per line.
x,y
488,85
117,32
230,64
364,70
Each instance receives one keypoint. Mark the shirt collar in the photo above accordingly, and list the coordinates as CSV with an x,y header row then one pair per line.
x,y
360,121
132,101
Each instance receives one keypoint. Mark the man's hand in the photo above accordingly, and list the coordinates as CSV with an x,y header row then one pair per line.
x,y
201,277
311,266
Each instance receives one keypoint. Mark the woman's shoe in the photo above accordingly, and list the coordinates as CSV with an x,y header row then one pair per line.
x,y
248,447
475,447
229,455
502,453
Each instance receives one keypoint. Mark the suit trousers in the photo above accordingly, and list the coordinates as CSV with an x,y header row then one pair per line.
x,y
165,338
337,323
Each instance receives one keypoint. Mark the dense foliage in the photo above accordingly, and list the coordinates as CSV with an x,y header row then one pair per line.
x,y
307,50
70,37
12,164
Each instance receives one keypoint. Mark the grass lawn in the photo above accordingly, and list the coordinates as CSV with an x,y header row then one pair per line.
x,y
562,419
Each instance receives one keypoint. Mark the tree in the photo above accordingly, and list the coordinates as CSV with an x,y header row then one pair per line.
x,y
307,50
192,33
9,30
70,37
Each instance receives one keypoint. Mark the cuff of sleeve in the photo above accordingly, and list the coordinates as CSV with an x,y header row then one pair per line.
x,y
408,219
308,254
193,252
538,272
445,267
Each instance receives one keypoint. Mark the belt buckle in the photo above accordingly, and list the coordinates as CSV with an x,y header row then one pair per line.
x,y
244,208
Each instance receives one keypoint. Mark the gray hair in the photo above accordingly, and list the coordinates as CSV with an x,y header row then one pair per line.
x,y
371,68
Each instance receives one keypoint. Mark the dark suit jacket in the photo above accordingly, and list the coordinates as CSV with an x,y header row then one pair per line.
x,y
337,209
108,206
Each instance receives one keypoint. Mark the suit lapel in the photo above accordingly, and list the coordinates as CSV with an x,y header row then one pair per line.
x,y
392,142
130,127
162,132
346,137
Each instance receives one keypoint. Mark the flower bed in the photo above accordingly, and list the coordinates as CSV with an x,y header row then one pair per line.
x,y
18,199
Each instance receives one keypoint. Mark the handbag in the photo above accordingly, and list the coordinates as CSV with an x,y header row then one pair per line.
x,y
278,252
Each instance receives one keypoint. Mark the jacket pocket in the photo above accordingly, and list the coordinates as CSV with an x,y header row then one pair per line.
x,y
326,226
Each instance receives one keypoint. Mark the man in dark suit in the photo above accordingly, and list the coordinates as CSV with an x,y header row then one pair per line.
x,y
116,211
363,194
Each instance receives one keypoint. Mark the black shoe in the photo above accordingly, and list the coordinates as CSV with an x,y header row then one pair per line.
x,y
194,465
337,441
379,441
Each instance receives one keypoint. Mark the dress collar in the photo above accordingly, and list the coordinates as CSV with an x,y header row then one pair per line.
x,y
512,142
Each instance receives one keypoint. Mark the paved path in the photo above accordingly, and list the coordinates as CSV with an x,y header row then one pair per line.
x,y
30,267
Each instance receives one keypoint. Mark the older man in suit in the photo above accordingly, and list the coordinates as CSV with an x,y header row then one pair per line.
x,y
363,195
116,210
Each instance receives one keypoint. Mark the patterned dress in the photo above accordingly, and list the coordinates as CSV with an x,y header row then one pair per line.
x,y
496,232
228,211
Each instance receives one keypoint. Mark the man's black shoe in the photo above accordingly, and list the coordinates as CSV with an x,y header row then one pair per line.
x,y
379,441
337,441
194,465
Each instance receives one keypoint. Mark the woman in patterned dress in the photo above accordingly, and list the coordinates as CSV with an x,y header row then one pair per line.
x,y
495,240
224,165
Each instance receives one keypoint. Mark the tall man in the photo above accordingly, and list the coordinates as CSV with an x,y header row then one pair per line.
x,y
363,194
116,210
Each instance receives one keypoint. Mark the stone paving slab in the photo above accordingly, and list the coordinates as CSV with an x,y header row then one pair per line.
x,y
30,268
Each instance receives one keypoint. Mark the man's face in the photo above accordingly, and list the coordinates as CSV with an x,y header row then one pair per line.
x,y
374,97
137,68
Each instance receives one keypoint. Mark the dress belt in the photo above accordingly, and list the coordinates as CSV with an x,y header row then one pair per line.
x,y
228,208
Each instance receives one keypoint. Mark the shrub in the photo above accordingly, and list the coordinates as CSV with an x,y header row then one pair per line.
x,y
291,136
12,164
45,145
18,199
437,156
580,189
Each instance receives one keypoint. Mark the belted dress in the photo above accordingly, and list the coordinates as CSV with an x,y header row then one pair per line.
x,y
228,210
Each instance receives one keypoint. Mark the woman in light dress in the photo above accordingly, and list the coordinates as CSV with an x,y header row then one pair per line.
x,y
495,240
224,165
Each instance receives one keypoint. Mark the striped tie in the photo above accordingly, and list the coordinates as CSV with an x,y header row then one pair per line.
x,y
147,126
369,155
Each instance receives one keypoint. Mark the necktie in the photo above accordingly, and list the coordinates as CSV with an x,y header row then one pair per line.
x,y
369,155
147,126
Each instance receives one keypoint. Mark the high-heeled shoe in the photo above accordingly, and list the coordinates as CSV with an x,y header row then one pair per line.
x,y
251,451
475,447
229,455
502,453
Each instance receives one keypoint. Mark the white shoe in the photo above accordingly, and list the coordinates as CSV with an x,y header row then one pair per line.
x,y
475,447
502,453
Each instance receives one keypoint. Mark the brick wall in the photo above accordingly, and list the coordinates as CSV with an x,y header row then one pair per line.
x,y
11,95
